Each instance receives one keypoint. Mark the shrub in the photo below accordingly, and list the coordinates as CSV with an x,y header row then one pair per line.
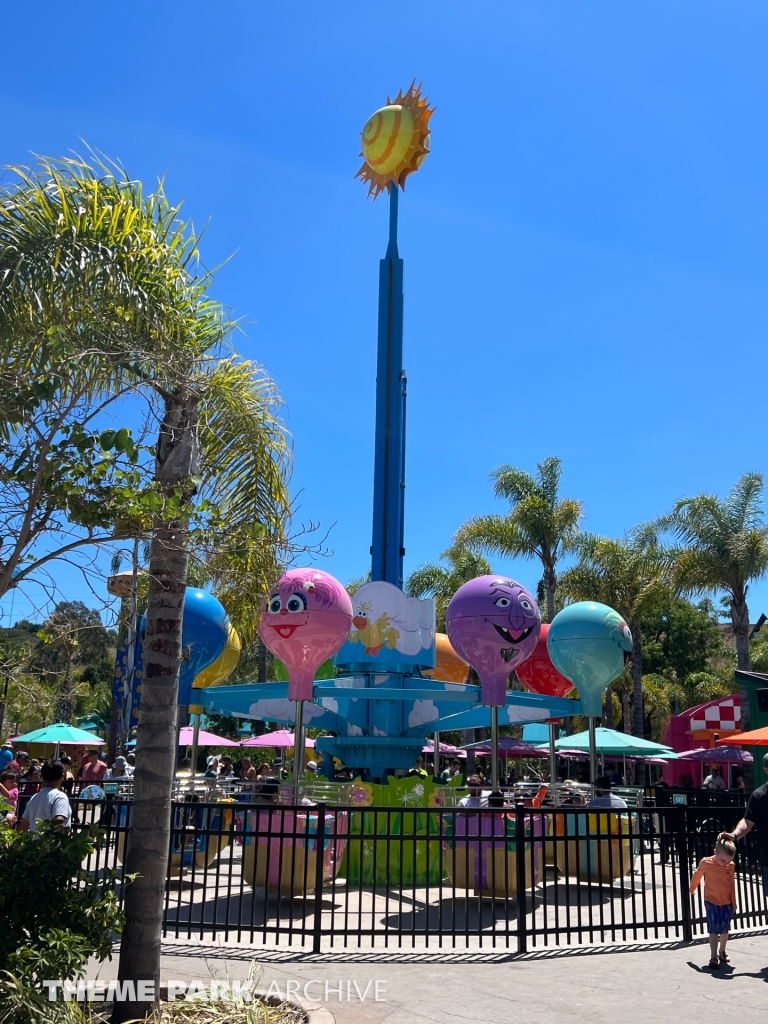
x,y
54,915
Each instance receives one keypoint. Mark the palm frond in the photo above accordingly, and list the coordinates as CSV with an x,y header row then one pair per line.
x,y
721,544
495,534
427,581
244,449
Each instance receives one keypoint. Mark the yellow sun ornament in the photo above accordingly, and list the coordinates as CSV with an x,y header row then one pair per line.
x,y
395,141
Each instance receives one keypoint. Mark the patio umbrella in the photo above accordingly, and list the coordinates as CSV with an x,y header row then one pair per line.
x,y
509,746
726,754
617,744
445,748
204,739
278,738
60,733
753,738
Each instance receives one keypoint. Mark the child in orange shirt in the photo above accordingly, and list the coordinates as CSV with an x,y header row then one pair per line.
x,y
718,873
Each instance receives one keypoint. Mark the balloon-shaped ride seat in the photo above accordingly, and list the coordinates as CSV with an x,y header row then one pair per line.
x,y
282,846
199,833
594,846
481,851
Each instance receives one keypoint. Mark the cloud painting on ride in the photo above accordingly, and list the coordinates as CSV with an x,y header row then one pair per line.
x,y
389,630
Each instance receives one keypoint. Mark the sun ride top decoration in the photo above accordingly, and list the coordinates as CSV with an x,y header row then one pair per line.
x,y
395,140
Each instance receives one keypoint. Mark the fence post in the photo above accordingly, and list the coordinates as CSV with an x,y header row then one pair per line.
x,y
522,935
681,845
319,857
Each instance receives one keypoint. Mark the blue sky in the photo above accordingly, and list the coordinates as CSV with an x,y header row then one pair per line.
x,y
585,249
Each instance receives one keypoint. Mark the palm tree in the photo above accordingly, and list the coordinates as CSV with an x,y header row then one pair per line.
x,y
442,581
539,524
110,275
722,545
631,576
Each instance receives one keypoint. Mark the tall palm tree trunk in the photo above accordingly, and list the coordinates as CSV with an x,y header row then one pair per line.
x,y
261,662
637,693
64,707
550,585
740,620
149,835
609,722
625,713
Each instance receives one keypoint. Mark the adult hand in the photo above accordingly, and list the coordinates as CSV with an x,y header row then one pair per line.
x,y
727,835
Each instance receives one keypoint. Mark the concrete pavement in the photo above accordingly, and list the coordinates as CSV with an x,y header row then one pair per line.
x,y
664,982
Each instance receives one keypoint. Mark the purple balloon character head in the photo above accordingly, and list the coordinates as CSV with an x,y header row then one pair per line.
x,y
493,623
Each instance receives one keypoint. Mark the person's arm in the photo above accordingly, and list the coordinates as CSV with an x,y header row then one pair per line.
x,y
733,888
743,827
62,802
697,877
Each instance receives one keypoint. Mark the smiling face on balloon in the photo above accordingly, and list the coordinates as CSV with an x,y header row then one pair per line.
x,y
493,623
514,616
286,611
306,619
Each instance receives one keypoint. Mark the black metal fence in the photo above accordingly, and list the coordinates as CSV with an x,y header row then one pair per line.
x,y
520,878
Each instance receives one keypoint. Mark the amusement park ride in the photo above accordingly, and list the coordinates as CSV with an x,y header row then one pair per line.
x,y
386,696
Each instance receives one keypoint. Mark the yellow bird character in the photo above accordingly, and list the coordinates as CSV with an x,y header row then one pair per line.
x,y
373,635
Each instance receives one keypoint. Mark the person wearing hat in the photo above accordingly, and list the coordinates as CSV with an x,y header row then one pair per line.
x,y
755,813
312,766
119,769
6,755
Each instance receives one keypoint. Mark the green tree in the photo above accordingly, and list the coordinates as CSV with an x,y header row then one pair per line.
x,y
116,283
73,635
721,546
55,915
356,582
631,576
442,581
680,638
539,524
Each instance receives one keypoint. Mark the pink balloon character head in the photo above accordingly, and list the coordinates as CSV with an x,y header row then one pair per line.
x,y
305,621
493,623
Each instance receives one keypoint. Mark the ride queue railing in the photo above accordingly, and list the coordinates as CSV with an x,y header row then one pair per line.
x,y
517,878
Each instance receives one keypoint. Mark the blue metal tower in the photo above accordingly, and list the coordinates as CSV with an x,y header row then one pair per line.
x,y
387,549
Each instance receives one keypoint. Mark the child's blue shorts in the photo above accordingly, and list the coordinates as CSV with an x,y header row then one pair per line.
x,y
718,918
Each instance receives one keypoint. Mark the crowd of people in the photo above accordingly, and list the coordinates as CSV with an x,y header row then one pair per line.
x,y
22,775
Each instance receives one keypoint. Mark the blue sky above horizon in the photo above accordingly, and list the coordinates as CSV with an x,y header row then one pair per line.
x,y
585,249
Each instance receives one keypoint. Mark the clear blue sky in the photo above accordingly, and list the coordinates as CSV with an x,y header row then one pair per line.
x,y
585,248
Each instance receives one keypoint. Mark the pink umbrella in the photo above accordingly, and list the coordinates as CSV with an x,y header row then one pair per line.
x,y
445,748
278,738
204,739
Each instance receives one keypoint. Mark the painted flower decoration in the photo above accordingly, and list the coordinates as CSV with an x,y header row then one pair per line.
x,y
362,795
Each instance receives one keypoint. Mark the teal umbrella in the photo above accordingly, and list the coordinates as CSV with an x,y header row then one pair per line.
x,y
62,734
611,743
